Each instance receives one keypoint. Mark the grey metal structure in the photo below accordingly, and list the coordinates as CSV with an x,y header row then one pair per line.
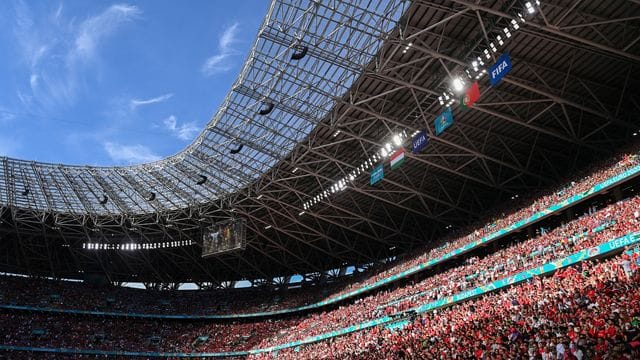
x,y
325,85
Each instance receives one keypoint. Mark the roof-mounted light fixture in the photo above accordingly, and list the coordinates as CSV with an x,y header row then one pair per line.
x,y
203,179
300,52
236,150
268,107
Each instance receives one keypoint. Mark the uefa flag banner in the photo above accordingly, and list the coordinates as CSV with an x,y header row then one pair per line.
x,y
397,158
499,69
443,121
419,142
470,98
377,174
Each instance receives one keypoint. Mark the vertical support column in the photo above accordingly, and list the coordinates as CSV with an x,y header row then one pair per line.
x,y
343,271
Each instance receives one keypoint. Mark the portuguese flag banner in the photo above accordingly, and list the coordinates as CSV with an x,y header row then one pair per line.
x,y
397,158
470,98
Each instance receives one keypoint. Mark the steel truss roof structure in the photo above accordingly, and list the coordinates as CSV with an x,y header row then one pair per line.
x,y
325,86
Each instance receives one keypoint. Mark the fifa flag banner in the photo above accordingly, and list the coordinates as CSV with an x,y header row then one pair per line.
x,y
377,174
444,121
470,98
499,69
397,158
419,142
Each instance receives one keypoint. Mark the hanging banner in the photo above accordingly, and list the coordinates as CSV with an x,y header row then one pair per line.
x,y
499,69
419,142
377,174
470,98
443,121
397,159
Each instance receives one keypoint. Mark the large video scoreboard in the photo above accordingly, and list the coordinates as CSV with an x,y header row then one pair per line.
x,y
222,237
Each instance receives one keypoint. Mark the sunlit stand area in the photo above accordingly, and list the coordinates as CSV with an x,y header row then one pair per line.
x,y
397,180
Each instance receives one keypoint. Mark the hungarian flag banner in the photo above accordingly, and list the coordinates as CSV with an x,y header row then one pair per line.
x,y
470,98
397,158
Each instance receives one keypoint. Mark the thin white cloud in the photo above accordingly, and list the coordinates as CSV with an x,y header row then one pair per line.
x,y
93,30
33,81
135,103
220,62
6,116
184,131
228,37
130,154
59,51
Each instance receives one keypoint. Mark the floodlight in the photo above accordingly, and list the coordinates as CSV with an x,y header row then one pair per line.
x,y
267,109
301,51
529,7
397,140
237,149
458,84
202,180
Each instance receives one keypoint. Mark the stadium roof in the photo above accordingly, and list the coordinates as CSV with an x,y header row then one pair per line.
x,y
326,85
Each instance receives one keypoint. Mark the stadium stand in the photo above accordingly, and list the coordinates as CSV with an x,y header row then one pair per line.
x,y
68,294
65,331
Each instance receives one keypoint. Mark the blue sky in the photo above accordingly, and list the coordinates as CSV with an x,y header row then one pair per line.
x,y
116,83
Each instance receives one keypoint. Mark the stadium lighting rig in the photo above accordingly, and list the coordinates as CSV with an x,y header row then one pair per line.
x,y
137,246
478,66
458,85
339,185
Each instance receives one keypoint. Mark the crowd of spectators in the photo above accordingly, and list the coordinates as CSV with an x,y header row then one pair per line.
x,y
48,293
521,208
536,320
588,311
608,223
66,331
74,296
122,334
